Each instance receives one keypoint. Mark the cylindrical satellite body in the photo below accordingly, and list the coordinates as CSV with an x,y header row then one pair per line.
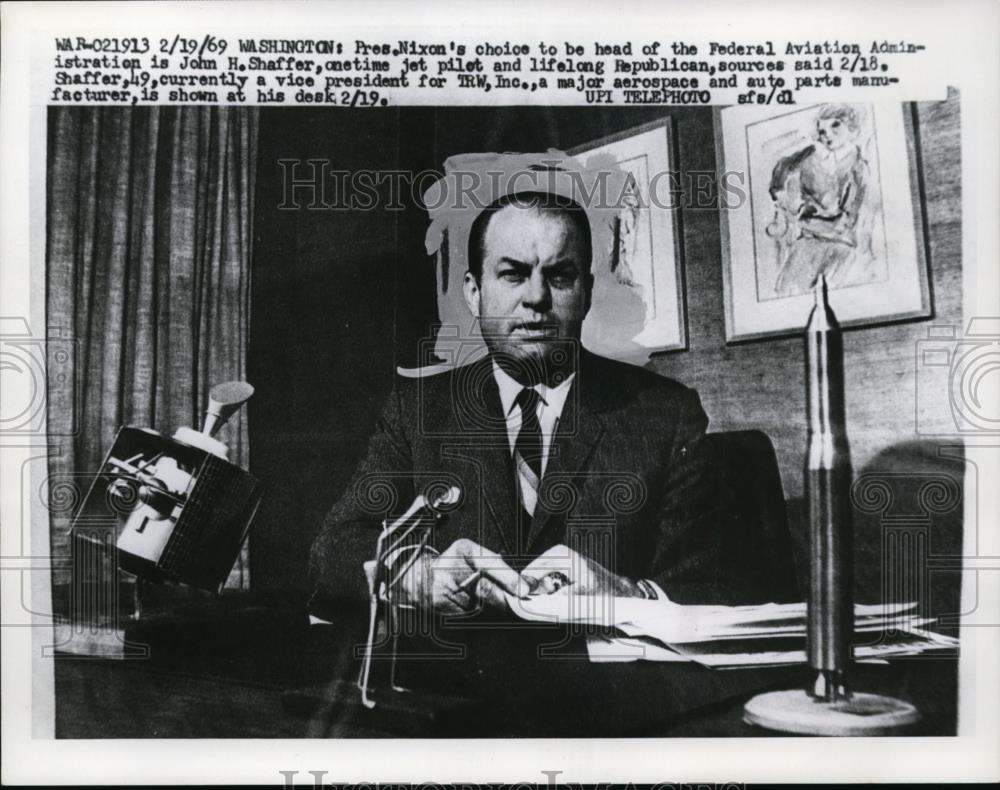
x,y
180,509
828,481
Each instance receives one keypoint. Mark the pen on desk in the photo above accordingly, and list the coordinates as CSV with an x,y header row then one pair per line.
x,y
549,583
469,581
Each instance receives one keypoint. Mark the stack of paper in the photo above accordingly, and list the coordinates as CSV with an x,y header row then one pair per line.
x,y
726,636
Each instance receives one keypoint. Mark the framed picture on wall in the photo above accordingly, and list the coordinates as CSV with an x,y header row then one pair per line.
x,y
827,190
638,306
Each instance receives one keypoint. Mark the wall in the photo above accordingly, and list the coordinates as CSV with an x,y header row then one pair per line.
x,y
741,384
323,349
762,385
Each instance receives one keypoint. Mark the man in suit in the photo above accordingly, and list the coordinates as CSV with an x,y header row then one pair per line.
x,y
567,462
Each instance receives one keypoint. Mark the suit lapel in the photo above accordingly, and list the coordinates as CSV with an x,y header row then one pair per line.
x,y
581,427
500,494
491,452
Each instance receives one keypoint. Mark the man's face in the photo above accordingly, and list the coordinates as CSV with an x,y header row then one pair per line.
x,y
535,285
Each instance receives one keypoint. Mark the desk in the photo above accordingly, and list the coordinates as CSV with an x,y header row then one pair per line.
x,y
245,667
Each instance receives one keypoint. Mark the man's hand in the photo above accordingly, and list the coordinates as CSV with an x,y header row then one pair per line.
x,y
462,578
586,577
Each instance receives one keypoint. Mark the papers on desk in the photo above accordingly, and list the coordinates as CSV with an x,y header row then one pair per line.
x,y
726,636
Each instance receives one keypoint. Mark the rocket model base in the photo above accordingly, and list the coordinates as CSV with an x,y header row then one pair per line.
x,y
797,711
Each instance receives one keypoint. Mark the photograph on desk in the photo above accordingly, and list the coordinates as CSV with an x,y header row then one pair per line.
x,y
420,422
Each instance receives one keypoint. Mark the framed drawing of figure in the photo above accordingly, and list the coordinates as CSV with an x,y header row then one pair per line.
x,y
823,190
639,288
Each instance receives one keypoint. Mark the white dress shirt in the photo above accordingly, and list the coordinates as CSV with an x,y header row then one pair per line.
x,y
550,407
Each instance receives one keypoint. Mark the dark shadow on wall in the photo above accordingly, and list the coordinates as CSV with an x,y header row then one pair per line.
x,y
907,506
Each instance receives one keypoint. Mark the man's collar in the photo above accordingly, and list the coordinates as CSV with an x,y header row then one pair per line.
x,y
510,388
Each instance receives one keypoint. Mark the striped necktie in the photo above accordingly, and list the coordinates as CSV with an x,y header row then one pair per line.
x,y
528,445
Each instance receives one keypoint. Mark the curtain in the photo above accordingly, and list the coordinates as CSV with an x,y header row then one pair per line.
x,y
149,232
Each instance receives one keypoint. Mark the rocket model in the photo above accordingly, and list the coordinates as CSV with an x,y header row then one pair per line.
x,y
827,484
829,707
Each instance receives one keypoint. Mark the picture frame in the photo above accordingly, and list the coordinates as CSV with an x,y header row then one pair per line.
x,y
827,189
646,250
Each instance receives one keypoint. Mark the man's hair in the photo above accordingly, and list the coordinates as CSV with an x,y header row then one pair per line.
x,y
541,201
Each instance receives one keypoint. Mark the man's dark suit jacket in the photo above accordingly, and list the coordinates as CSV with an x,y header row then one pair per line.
x,y
629,482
